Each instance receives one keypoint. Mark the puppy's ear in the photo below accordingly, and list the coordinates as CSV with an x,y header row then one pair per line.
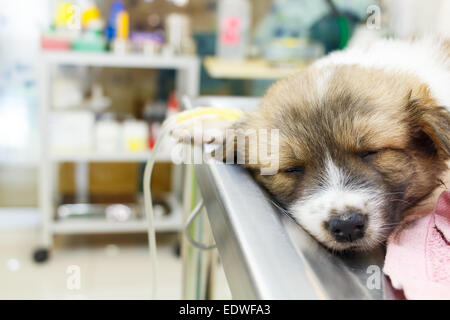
x,y
432,123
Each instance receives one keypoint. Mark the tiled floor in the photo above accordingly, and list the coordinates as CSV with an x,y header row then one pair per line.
x,y
111,267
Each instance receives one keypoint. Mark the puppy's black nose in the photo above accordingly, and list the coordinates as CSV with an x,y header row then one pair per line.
x,y
347,228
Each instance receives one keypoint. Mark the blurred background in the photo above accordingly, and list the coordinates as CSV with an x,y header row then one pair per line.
x,y
84,88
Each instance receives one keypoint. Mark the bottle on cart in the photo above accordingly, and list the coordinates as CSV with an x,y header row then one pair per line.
x,y
234,18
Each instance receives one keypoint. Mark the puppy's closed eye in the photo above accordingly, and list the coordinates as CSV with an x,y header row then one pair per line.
x,y
369,155
297,171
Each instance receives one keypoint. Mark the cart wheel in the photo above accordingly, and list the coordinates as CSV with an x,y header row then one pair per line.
x,y
40,255
177,250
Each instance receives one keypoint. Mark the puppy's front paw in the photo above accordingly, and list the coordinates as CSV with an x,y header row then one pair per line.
x,y
204,125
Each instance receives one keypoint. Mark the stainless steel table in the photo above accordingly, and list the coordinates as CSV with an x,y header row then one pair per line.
x,y
265,255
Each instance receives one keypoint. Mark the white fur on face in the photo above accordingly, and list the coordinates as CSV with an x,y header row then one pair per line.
x,y
335,194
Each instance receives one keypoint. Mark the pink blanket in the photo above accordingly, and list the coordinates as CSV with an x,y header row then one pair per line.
x,y
418,254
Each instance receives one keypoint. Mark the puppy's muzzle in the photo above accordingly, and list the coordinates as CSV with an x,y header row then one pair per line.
x,y
347,227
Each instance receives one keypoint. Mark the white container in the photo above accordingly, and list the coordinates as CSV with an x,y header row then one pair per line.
x,y
233,29
71,131
66,93
107,136
178,33
135,135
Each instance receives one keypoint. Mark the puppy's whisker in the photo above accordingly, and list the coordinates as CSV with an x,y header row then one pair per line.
x,y
390,224
283,210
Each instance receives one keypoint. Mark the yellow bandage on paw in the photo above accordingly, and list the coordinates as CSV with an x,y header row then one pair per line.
x,y
203,124
226,114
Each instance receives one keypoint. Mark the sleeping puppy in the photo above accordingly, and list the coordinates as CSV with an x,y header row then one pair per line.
x,y
364,137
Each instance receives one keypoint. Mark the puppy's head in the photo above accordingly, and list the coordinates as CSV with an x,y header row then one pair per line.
x,y
357,147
